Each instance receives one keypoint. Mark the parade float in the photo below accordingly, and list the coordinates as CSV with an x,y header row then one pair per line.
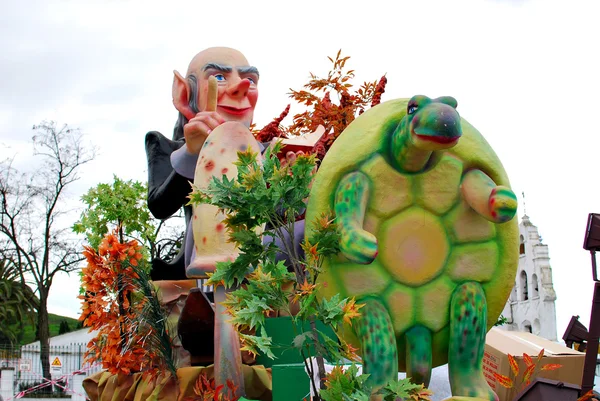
x,y
386,241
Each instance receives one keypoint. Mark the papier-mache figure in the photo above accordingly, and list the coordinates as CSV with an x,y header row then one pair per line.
x,y
216,103
429,243
172,163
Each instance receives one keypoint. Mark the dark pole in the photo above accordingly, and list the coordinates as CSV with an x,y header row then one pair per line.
x,y
591,352
594,272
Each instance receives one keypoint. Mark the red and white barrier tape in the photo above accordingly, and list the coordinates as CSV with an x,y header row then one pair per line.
x,y
54,382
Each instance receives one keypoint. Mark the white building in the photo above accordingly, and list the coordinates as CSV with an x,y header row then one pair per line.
x,y
20,374
66,356
531,304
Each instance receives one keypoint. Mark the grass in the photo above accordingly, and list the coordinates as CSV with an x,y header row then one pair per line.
x,y
54,323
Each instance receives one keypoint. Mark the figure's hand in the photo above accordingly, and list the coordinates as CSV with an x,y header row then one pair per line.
x,y
290,159
358,245
350,205
198,128
496,203
503,204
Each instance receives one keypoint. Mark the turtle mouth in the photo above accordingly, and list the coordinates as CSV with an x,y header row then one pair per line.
x,y
441,140
434,141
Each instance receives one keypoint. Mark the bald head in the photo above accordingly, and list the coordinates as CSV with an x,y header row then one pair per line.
x,y
216,55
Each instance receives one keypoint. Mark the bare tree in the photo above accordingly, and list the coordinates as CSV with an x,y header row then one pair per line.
x,y
31,205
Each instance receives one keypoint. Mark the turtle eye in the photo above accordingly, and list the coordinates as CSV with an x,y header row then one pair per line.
x,y
411,108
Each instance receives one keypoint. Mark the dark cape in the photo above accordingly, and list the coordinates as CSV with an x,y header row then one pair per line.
x,y
167,193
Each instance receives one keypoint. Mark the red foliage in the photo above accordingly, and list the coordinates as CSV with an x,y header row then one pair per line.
x,y
321,110
273,129
379,90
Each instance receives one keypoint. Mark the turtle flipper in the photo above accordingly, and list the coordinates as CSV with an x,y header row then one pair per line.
x,y
352,194
468,324
494,202
378,343
419,355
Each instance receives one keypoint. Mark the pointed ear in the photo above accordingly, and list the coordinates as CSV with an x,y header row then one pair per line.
x,y
181,95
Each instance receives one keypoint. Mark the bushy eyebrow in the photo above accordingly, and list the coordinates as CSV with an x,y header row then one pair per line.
x,y
248,70
218,67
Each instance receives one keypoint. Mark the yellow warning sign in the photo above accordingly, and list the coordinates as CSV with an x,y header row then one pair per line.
x,y
56,362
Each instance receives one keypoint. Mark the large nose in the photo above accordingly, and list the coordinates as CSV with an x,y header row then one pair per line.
x,y
239,88
438,120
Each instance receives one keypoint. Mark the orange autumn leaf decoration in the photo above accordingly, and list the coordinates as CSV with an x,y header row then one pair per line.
x,y
351,310
586,396
514,366
312,251
503,380
540,356
205,389
349,352
334,375
304,290
551,366
324,221
422,394
108,282
232,388
528,361
528,373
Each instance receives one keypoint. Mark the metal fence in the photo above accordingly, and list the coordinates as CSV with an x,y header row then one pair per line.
x,y
65,360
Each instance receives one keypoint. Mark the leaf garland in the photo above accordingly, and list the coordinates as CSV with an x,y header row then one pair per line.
x,y
121,305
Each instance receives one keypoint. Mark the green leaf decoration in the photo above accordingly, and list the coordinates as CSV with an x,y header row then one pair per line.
x,y
404,390
332,311
256,344
301,339
346,385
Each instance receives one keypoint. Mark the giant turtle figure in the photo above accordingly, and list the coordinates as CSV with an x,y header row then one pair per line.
x,y
428,239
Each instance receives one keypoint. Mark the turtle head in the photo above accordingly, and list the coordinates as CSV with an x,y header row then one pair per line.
x,y
432,124
429,125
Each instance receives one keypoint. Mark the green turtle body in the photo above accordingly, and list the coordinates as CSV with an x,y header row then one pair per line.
x,y
425,245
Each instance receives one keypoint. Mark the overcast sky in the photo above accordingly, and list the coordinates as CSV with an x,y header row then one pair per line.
x,y
525,73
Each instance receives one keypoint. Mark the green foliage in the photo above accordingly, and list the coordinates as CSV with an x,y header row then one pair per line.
x,y
257,344
17,303
267,192
332,310
346,385
27,333
120,204
502,320
63,327
399,390
263,294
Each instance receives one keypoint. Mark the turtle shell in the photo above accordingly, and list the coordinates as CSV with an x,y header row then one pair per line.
x,y
430,240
